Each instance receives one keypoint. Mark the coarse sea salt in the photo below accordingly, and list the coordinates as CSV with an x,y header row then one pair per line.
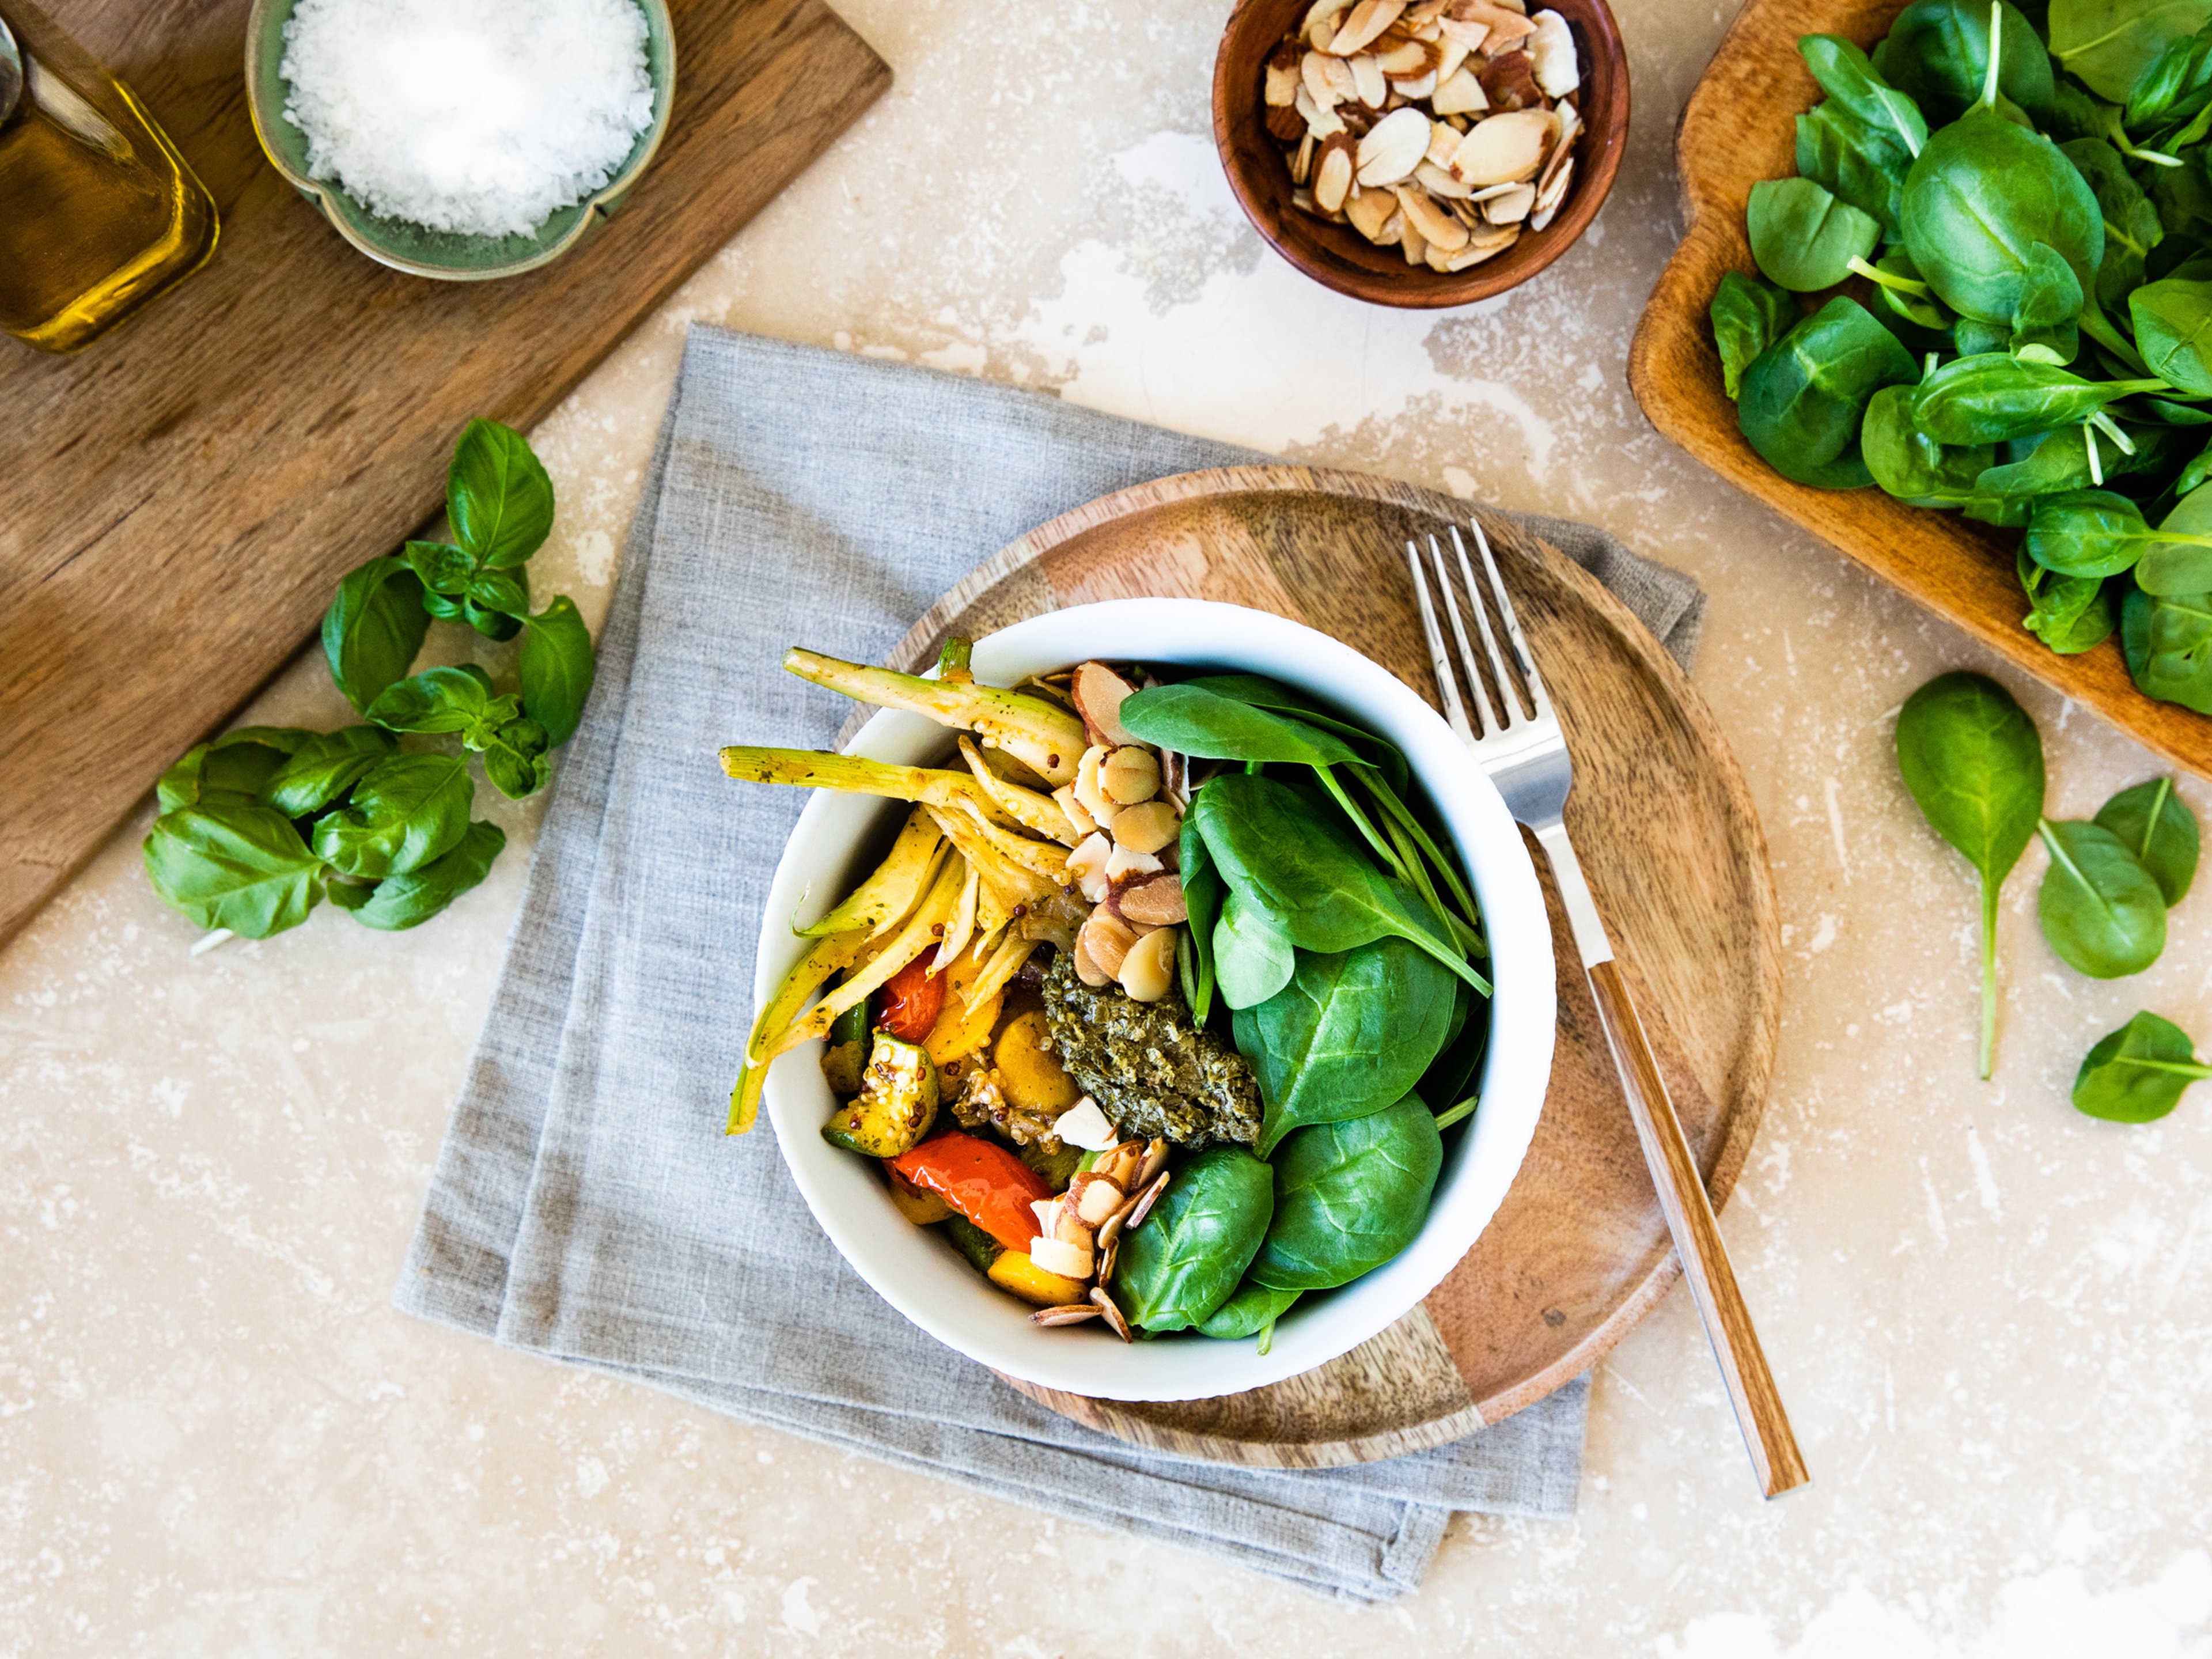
x,y
475,115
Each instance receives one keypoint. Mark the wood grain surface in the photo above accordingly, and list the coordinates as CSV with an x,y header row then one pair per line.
x,y
1338,256
178,502
1739,128
1672,851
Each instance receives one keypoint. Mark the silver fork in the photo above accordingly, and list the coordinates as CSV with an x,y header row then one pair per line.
x,y
1525,756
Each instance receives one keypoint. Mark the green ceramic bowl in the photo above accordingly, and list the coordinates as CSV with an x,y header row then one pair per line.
x,y
404,245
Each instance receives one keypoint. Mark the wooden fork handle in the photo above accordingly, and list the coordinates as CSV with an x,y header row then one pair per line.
x,y
1697,1235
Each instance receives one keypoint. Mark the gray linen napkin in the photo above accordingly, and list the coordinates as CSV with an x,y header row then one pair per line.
x,y
586,1204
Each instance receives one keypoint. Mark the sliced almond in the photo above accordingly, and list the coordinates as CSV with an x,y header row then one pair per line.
x,y
1436,223
1510,206
1416,89
1409,241
1562,148
1106,1305
1320,32
1099,692
1473,254
1087,866
1283,77
1125,862
1460,94
1085,1126
1407,58
1437,182
1147,828
1322,11
1505,22
1552,44
1148,972
1509,81
1156,900
1423,12
1130,775
1302,164
1468,37
1455,54
1367,20
1395,148
1073,1314
1096,1198
1146,1199
1156,1159
1333,172
1438,260
1503,149
1394,228
1107,938
1286,126
1444,145
1313,75
1549,197
1087,970
1058,1256
1367,80
1320,121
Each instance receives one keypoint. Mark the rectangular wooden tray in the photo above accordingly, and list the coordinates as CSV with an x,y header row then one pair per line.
x,y
1737,129
178,501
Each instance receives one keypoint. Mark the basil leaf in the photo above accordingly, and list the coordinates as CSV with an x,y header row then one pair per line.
x,y
229,770
503,593
557,670
406,812
2100,911
498,495
2156,825
373,628
1250,1311
1350,1033
2137,1074
492,624
1252,958
1349,1196
443,606
514,758
242,867
324,769
440,569
345,895
412,898
455,699
1184,1260
1973,763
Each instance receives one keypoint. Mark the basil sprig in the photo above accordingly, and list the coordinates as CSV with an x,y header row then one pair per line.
x,y
261,824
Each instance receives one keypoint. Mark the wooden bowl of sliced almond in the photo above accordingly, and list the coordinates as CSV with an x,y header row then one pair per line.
x,y
1420,152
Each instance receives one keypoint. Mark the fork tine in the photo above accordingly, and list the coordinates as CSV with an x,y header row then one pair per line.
x,y
1440,658
1506,693
1519,641
1490,725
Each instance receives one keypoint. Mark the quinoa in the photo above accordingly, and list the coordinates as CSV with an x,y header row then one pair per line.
x,y
1152,1070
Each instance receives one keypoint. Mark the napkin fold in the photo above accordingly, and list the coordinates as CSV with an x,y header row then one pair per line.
x,y
585,1205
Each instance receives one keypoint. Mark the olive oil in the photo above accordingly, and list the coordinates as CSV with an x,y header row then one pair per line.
x,y
98,212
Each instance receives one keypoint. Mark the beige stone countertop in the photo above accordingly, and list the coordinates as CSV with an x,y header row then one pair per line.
x,y
1991,1317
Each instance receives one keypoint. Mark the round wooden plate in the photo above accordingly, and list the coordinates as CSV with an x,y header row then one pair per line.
x,y
1672,850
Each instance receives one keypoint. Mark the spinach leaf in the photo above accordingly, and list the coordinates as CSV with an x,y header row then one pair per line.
x,y
2047,462
2179,558
1804,396
2173,331
322,769
1803,237
1184,1260
410,899
1352,1032
1861,165
2176,86
1973,762
1453,1074
1994,396
1908,464
557,668
2155,825
1349,1196
2132,224
2137,1074
498,495
1253,958
373,628
239,866
1196,719
1847,77
2167,641
1937,51
2110,44
456,699
2069,614
2086,533
1274,845
1264,693
1252,1311
407,811
1202,900
514,758
2100,911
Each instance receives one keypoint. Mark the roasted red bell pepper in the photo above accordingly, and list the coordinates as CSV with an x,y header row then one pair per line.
x,y
911,999
982,1180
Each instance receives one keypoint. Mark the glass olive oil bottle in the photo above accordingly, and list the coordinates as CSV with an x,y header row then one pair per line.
x,y
98,212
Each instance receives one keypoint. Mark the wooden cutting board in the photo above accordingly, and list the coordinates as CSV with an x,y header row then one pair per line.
x,y
1671,849
1739,128
178,502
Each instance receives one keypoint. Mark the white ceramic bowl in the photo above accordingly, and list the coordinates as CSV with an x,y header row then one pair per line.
x,y
926,1281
